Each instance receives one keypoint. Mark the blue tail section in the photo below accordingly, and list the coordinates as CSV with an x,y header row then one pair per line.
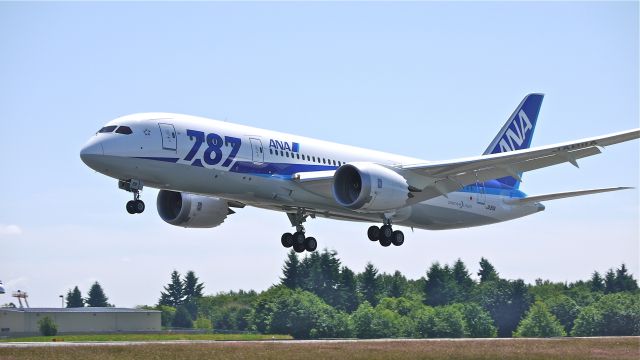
x,y
517,133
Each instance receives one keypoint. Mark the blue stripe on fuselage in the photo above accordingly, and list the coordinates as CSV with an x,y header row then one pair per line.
x,y
286,170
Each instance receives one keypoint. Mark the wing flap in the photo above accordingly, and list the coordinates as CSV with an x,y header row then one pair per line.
x,y
562,195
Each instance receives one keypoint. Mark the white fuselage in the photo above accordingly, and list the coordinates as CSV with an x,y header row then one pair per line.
x,y
255,167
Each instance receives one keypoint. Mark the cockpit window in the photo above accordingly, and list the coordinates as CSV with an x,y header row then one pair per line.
x,y
124,130
107,129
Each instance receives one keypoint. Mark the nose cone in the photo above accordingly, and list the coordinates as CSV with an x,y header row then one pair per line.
x,y
90,152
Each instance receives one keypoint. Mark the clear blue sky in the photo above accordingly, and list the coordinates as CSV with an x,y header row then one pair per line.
x,y
430,80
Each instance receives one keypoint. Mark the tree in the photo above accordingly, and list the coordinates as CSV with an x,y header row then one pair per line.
x,y
596,282
564,309
74,298
539,322
463,280
440,322
378,322
610,282
192,288
478,322
97,298
182,318
291,271
397,285
47,326
368,285
347,291
173,294
624,281
167,313
298,313
487,272
612,315
506,301
440,288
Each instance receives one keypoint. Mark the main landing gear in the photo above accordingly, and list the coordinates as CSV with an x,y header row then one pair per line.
x,y
298,240
135,206
385,235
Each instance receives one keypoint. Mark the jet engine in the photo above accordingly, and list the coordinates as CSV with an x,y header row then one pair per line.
x,y
369,187
190,210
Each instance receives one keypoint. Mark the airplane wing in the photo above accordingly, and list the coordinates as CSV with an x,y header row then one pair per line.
x,y
438,178
441,177
317,182
562,195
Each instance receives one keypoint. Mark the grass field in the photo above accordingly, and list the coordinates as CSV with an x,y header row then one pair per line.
x,y
522,349
148,337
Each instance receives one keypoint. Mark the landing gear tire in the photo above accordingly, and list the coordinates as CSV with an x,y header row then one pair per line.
x,y
386,236
310,244
298,247
131,206
385,242
298,238
373,233
287,240
139,206
398,238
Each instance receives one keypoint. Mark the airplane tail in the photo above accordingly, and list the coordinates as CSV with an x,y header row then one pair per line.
x,y
517,132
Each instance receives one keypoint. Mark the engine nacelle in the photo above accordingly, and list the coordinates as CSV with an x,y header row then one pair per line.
x,y
190,210
369,187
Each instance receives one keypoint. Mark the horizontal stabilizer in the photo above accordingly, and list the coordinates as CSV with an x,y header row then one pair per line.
x,y
538,198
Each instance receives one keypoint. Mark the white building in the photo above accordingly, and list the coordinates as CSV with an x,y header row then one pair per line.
x,y
14,321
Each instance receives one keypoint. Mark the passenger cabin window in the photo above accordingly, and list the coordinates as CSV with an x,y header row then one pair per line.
x,y
107,129
124,130
271,151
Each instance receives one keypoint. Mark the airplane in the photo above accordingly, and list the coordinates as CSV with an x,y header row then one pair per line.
x,y
206,168
1,288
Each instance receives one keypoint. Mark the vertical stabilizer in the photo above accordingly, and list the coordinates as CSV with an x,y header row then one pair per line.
x,y
517,133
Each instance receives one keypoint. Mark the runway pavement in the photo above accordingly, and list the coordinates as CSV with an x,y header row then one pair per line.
x,y
284,342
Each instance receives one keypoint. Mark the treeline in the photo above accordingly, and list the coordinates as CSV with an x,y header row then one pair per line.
x,y
318,297
96,297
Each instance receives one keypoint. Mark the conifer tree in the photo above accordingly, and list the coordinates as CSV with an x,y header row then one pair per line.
x,y
596,282
173,294
487,272
291,271
192,288
97,298
610,282
369,286
398,285
347,290
74,298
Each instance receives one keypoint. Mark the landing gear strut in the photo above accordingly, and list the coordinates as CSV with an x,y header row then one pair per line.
x,y
135,206
298,240
385,235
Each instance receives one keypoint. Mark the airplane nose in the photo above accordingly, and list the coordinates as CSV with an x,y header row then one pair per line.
x,y
90,150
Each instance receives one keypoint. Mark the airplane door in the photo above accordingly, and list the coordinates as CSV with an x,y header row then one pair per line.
x,y
257,152
169,141
482,195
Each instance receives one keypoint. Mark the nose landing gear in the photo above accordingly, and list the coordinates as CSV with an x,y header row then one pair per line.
x,y
135,206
